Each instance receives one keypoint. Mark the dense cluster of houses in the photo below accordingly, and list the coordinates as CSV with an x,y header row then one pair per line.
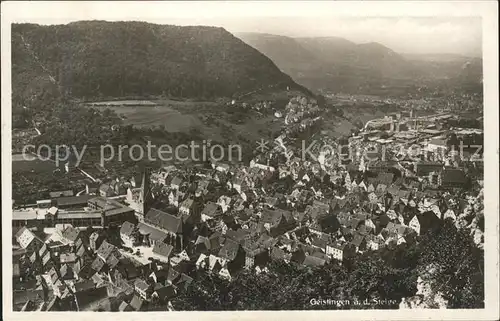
x,y
79,269
225,218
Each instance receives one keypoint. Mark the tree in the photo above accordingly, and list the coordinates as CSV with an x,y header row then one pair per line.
x,y
457,266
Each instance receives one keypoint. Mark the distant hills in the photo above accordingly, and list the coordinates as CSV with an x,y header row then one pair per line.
x,y
90,60
339,65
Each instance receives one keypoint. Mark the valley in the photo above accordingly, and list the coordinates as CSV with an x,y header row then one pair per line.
x,y
356,216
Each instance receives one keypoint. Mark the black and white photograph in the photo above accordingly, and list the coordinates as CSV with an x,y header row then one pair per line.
x,y
165,157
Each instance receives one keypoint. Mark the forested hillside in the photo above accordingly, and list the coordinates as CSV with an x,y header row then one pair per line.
x,y
91,60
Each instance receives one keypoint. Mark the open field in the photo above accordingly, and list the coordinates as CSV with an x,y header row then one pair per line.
x,y
21,165
213,120
149,116
146,113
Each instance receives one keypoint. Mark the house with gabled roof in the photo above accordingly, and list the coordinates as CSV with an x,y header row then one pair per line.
x,y
98,264
210,211
166,223
164,293
277,222
105,250
233,254
277,254
67,273
129,234
362,186
137,303
186,207
359,242
201,245
124,307
143,288
182,282
28,240
95,240
313,261
255,255
340,251
162,251
364,230
374,242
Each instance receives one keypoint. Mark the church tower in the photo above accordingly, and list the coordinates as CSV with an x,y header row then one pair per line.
x,y
145,196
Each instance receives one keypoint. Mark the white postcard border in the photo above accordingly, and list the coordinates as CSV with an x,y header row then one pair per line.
x,y
65,11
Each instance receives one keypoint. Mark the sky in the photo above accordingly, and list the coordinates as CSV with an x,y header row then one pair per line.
x,y
459,35
409,27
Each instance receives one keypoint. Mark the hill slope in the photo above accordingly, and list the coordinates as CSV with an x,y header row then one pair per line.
x,y
290,54
98,59
336,64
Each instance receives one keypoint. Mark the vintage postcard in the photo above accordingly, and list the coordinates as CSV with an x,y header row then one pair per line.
x,y
248,160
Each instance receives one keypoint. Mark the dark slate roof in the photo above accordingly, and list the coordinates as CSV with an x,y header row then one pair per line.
x,y
203,240
187,203
353,223
346,231
427,220
127,268
84,285
164,221
176,181
112,261
153,233
53,304
162,249
67,258
385,178
166,292
215,241
136,303
81,251
86,272
424,168
72,200
91,296
127,228
141,284
229,250
65,193
67,271
311,260
454,176
183,280
358,239
98,264
277,253
383,220
400,229
172,274
71,233
210,209
124,306
238,235
105,250
364,230
273,217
